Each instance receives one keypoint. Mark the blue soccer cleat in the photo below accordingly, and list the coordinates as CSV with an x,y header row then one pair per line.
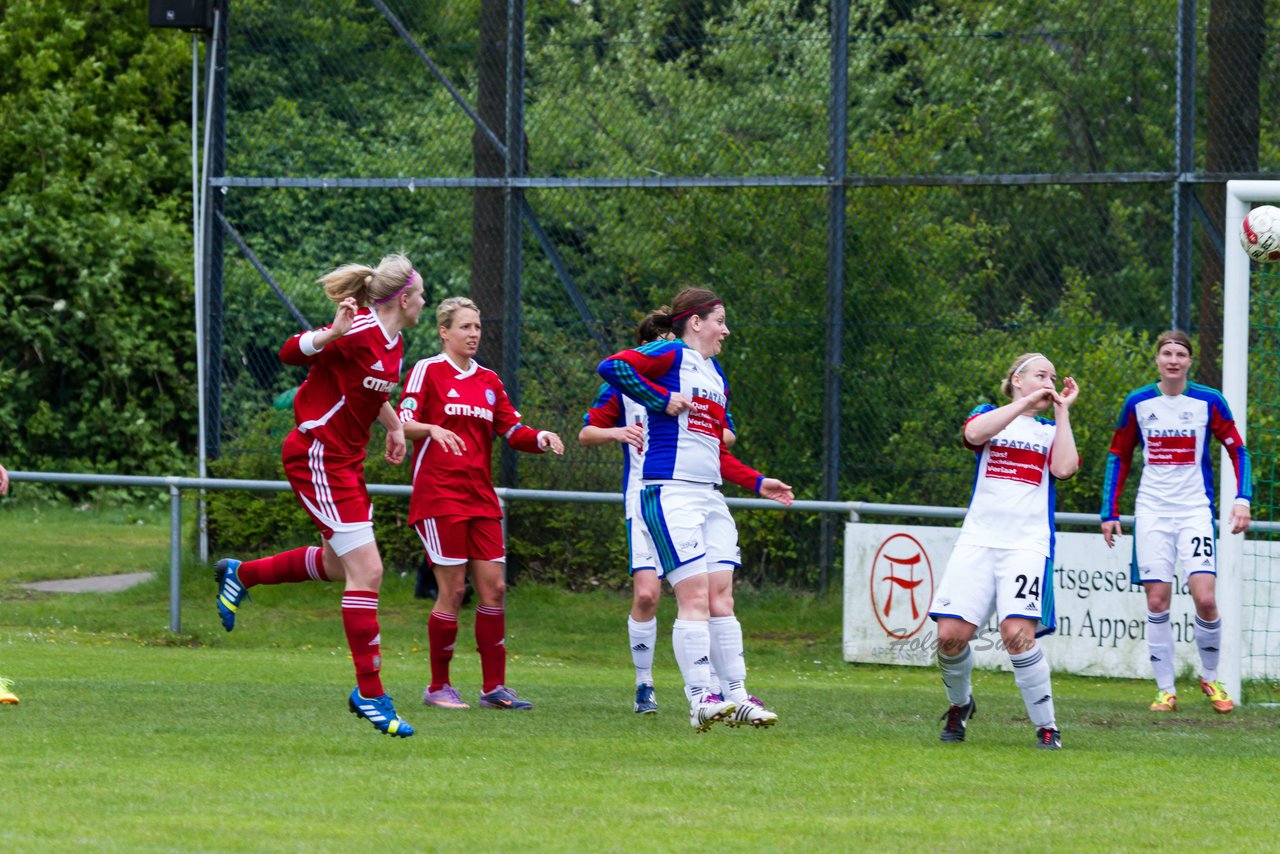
x,y
380,712
230,591
503,697
646,702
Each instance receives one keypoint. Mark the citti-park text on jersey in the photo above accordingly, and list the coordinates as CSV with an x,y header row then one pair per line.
x,y
467,409
375,384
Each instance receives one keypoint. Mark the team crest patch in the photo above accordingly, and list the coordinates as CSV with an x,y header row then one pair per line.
x,y
490,397
409,403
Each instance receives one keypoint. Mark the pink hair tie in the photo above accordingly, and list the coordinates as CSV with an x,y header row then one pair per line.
x,y
694,311
407,283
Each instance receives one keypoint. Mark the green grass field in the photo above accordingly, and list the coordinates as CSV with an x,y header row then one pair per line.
x,y
131,739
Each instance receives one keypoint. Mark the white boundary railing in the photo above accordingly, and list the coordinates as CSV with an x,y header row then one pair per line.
x,y
176,485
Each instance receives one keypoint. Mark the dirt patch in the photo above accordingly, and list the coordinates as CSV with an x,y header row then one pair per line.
x,y
91,584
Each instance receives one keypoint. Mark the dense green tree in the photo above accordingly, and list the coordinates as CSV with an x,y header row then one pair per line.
x,y
945,284
97,371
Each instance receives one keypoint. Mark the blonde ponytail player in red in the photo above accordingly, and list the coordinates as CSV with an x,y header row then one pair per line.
x,y
352,366
1003,558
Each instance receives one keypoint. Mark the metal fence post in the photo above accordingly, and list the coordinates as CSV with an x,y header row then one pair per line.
x,y
836,168
513,262
212,239
175,559
1183,189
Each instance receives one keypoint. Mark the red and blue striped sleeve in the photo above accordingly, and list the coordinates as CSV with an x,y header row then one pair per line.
x,y
1119,460
1222,425
635,374
606,409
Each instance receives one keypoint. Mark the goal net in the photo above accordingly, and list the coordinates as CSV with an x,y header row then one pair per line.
x,y
1249,587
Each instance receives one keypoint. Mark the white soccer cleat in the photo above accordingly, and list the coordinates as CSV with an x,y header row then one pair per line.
x,y
707,712
751,712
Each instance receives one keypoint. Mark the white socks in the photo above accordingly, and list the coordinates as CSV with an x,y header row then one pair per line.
x,y
957,676
691,643
1031,674
1208,640
1160,648
727,656
644,637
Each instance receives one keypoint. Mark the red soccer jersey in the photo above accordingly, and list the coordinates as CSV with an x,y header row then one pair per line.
x,y
347,384
473,404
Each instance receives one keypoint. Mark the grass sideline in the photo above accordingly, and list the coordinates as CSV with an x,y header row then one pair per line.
x,y
131,739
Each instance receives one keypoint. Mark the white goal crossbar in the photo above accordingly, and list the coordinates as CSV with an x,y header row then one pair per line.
x,y
1235,383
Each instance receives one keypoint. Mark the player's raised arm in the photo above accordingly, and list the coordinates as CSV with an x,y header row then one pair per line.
x,y
352,366
1002,561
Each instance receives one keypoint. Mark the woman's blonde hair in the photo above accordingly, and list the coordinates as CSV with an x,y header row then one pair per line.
x,y
449,307
1019,365
368,284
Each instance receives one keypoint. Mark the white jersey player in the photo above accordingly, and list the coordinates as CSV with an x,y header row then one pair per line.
x,y
1172,420
687,523
614,417
1003,559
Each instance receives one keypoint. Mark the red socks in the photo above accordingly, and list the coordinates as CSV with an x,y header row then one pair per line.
x,y
442,634
491,631
360,620
304,564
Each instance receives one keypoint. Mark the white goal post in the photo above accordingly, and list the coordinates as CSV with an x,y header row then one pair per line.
x,y
1241,195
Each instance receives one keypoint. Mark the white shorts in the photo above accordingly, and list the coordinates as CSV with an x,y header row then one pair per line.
x,y
638,548
689,529
1161,543
344,541
978,578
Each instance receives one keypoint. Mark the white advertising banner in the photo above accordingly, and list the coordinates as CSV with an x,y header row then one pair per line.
x,y
891,571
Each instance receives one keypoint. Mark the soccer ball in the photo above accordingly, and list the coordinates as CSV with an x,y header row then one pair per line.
x,y
1260,233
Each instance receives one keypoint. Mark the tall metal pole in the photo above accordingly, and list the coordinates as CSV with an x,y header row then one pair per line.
x,y
1183,190
197,257
838,136
216,155
513,266
202,280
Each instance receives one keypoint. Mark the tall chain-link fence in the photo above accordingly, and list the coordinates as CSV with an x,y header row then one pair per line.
x,y
985,179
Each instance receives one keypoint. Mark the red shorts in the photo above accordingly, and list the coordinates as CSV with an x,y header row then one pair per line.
x,y
451,540
331,490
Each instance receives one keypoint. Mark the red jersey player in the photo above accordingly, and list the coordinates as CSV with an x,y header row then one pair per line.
x,y
353,365
452,408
